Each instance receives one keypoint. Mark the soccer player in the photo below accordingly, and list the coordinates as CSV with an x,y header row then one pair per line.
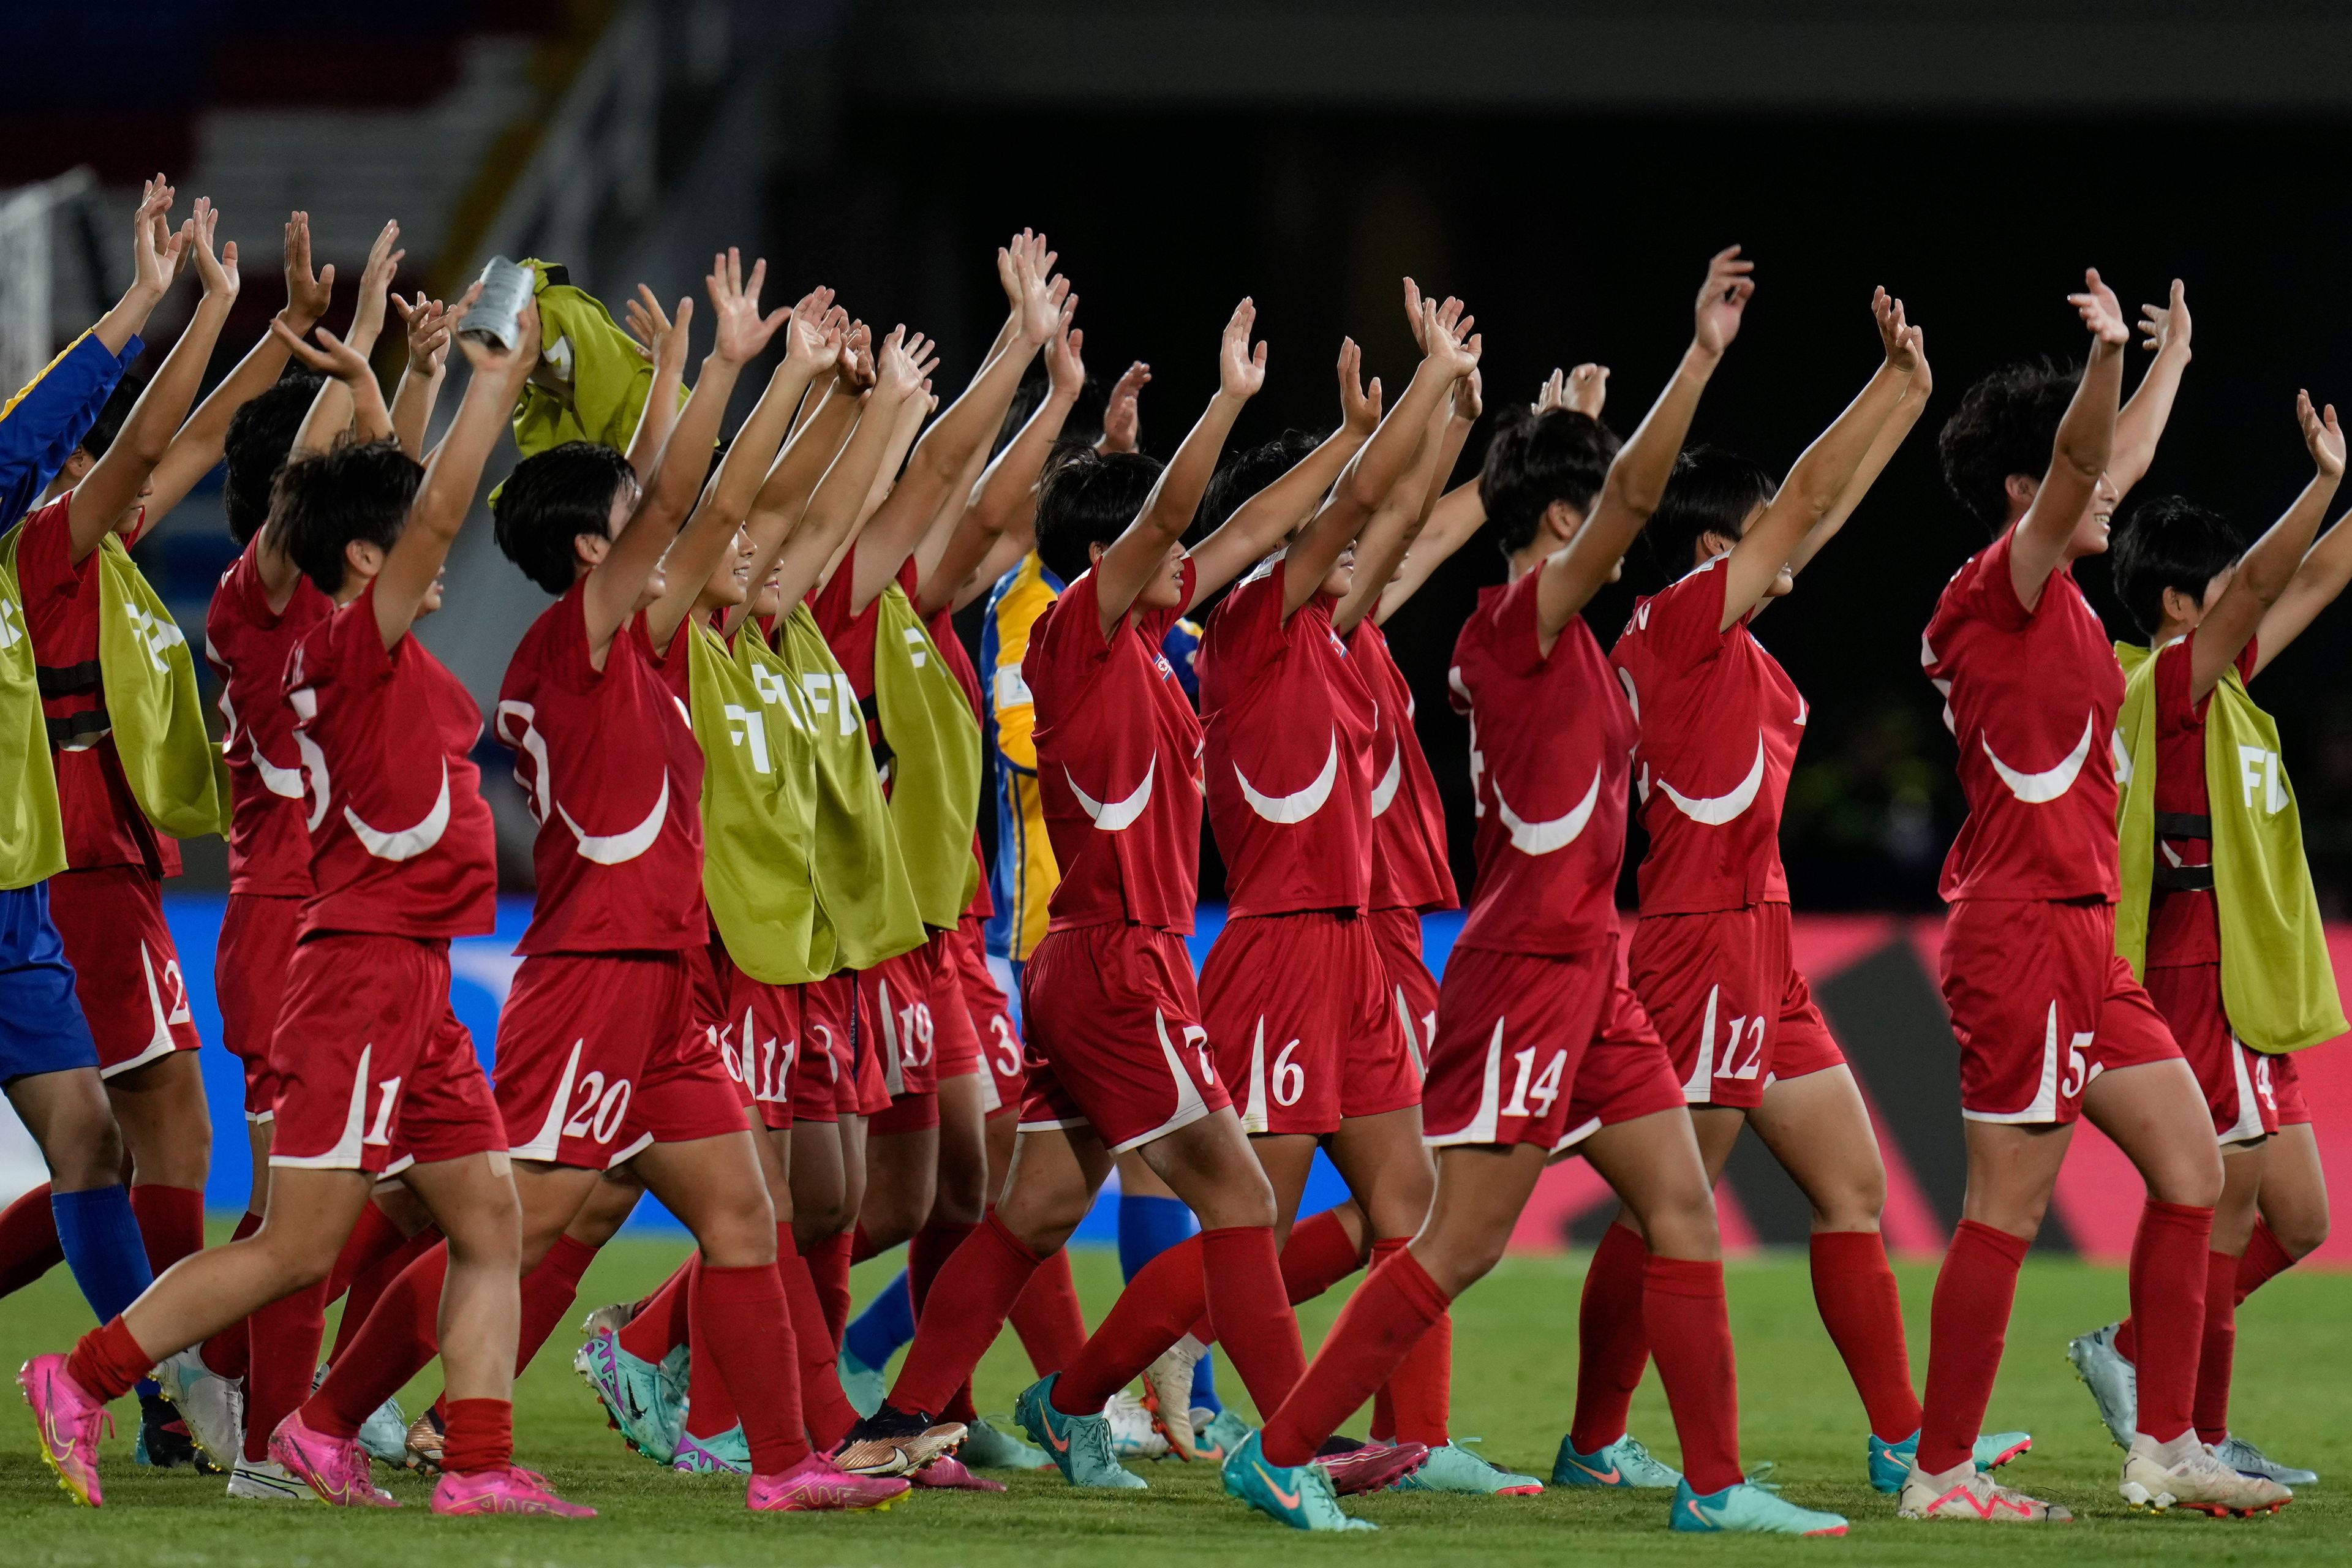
x,y
1539,1046
386,1079
2051,1024
2216,613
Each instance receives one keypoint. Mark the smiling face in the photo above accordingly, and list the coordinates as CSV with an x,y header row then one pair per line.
x,y
2090,536
730,583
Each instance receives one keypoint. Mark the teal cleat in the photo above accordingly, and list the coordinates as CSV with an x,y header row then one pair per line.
x,y
2248,1461
988,1447
635,1395
728,1454
1220,1436
1748,1508
1455,1468
1079,1446
866,1386
1301,1498
1890,1463
1624,1463
384,1434
2114,1381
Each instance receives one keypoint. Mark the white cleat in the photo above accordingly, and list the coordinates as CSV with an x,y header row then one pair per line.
x,y
1967,1493
1132,1434
610,1319
1168,1382
2185,1474
267,1480
211,1406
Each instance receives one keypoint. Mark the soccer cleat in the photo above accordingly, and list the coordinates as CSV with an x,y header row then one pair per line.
x,y
421,1449
1216,1433
2185,1474
609,1318
1371,1467
69,1421
1624,1463
2114,1381
1747,1508
164,1442
893,1442
210,1407
1966,1493
636,1397
865,1387
727,1453
1168,1394
1300,1496
1079,1446
510,1490
334,1468
1891,1462
267,1480
815,1485
947,1473
988,1447
1133,1433
1455,1468
2248,1461
384,1434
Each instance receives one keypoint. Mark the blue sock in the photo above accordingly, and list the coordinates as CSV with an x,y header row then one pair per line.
x,y
1204,1383
1148,1227
100,1236
887,1322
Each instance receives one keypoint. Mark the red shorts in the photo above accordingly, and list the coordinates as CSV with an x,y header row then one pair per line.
x,y
1626,1074
2239,1084
825,1076
1115,1035
375,1072
1413,989
2040,1005
1514,1031
126,970
761,1048
249,969
990,1013
2286,1091
896,996
1735,1015
1299,1007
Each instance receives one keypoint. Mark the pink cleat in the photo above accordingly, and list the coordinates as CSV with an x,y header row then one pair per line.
x,y
814,1485
1371,1468
511,1490
334,1468
69,1421
949,1473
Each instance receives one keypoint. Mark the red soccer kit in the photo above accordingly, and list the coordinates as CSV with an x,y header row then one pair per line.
x,y
1710,957
2040,1001
1113,1014
373,1068
1295,992
597,1055
108,904
1410,873
1534,985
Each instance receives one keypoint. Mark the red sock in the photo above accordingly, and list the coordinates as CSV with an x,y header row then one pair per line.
x,y
1968,1325
739,1319
373,1238
1413,1406
108,1361
1046,1316
1379,1328
28,1240
1612,1344
2128,1341
1862,1309
1689,1325
172,1221
1319,1254
825,1411
2220,1347
975,1291
229,1353
375,1272
828,1263
400,1336
709,1408
2264,1261
2167,1297
926,1255
861,1247
662,1323
548,1292
1252,1312
1154,1311
288,1331
480,1436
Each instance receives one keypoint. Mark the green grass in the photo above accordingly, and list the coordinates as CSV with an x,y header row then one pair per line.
x,y
1514,1380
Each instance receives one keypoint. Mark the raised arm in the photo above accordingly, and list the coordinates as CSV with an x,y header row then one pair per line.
x,y
1882,448
1449,518
331,415
2317,582
1390,545
1123,411
662,344
2079,456
155,248
427,324
2165,333
815,441
2273,563
1637,476
1007,493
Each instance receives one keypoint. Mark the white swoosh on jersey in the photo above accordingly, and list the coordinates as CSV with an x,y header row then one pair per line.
x,y
278,781
1384,791
1714,811
2038,789
1543,837
1300,806
614,848
406,843
314,762
1118,814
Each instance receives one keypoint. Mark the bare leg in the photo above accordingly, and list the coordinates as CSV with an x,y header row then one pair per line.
x,y
166,1123
474,1202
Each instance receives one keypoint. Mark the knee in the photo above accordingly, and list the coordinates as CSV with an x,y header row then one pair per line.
x,y
962,1195
88,1153
1682,1223
1852,1205
2193,1178
487,1230
740,1233
1041,1218
2301,1231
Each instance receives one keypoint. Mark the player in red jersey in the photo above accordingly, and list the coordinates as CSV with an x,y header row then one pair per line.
x,y
1721,722
386,1080
1540,1045
2052,1026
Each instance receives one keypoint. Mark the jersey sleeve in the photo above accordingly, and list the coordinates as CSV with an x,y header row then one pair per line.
x,y
1988,591
831,604
41,425
346,651
1516,642
45,566
1682,624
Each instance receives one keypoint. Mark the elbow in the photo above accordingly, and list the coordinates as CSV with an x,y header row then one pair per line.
x,y
1639,498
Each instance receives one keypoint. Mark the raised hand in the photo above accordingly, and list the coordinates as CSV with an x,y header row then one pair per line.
x,y
428,322
1469,398
742,330
375,283
659,340
1360,406
334,357
813,337
1413,314
1722,299
2321,435
2102,316
489,358
2165,326
1241,370
903,363
1123,415
1896,335
1588,389
855,369
218,273
307,296
1065,365
1923,380
1446,337
154,248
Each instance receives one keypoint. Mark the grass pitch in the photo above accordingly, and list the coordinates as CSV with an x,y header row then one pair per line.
x,y
1514,1380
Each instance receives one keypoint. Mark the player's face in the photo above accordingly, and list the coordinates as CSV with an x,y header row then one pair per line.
x,y
1338,581
2091,534
1785,579
771,601
432,594
730,583
1165,591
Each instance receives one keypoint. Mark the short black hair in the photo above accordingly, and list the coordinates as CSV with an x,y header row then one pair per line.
x,y
261,435
2170,541
551,499
1083,427
1089,501
1242,474
1535,459
1711,490
325,500
2006,424
113,416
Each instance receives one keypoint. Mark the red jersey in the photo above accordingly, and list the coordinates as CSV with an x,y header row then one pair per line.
x,y
247,642
103,824
404,844
2032,697
1550,742
1409,866
1289,721
1720,720
2183,926
1119,760
608,762
959,660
